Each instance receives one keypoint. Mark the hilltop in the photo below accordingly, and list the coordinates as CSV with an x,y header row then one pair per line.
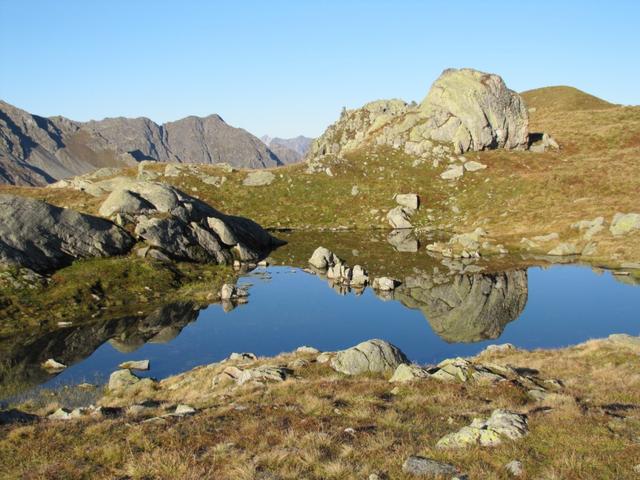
x,y
563,98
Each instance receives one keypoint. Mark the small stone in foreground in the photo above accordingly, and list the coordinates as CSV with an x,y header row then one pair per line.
x,y
135,365
184,410
514,468
422,466
121,379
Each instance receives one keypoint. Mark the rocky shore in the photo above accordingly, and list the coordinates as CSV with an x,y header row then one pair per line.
x,y
491,415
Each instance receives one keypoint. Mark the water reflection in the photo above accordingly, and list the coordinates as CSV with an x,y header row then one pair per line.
x,y
22,356
466,308
289,307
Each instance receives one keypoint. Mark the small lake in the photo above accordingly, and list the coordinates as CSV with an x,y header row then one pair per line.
x,y
430,317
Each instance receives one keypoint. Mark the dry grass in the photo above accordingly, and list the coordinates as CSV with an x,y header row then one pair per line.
x,y
296,429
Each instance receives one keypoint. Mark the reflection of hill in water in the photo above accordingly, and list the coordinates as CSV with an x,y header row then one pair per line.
x,y
22,357
466,308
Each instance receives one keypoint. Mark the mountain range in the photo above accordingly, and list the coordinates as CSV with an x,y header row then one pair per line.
x,y
289,150
36,150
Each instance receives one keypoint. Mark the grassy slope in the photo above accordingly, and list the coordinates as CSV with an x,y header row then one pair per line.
x,y
296,429
519,194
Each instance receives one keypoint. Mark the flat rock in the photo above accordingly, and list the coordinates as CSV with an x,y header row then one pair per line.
x,y
53,365
426,467
182,410
473,166
370,356
453,173
135,365
259,178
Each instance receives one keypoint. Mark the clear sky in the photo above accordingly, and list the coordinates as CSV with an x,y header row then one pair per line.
x,y
287,67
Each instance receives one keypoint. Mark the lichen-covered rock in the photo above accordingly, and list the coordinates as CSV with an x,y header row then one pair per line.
x,y
425,467
475,111
624,223
464,110
406,373
370,356
500,426
43,237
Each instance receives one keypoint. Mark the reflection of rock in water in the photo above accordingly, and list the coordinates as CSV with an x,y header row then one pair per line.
x,y
403,240
467,308
22,356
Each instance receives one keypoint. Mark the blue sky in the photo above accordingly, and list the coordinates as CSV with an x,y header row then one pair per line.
x,y
287,67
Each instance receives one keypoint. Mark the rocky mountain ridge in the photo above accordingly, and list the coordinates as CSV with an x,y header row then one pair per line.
x,y
289,150
37,150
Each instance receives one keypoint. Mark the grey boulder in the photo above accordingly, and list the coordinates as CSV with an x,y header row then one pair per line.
x,y
370,356
43,237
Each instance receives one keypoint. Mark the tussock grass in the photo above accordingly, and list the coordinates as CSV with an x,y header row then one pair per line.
x,y
296,429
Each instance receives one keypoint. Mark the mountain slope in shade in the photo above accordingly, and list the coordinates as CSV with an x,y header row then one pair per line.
x,y
36,150
289,150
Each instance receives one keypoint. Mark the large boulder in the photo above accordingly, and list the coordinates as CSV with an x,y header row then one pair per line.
x,y
183,227
43,237
475,111
370,356
464,110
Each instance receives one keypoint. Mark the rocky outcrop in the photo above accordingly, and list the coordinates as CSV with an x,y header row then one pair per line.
x,y
42,237
37,150
465,110
183,227
370,356
475,111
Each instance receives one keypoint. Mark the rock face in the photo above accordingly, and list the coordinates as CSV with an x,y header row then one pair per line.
x,y
466,307
36,150
42,237
465,110
370,356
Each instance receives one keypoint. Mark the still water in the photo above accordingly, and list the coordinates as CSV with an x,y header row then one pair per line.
x,y
431,317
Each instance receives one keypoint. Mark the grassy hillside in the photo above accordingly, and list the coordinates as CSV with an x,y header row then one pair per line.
x,y
563,98
519,194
